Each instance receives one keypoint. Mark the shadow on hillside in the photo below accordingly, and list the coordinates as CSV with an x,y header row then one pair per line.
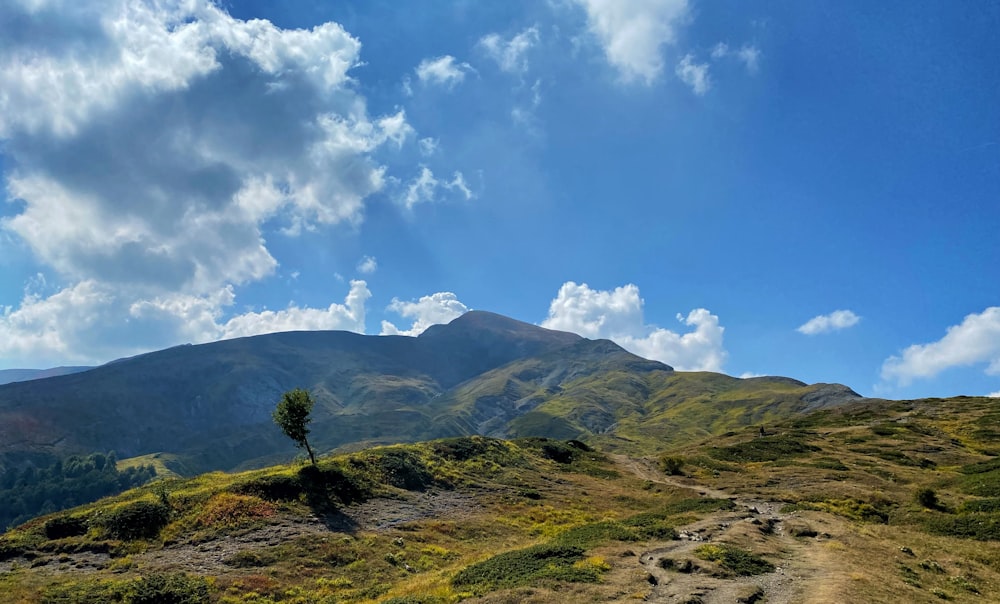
x,y
326,490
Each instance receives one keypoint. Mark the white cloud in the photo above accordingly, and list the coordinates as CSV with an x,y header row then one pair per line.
x,y
994,394
975,341
749,374
835,321
632,32
91,322
445,71
720,50
618,315
437,308
750,56
694,74
424,187
367,265
145,179
511,55
428,146
349,316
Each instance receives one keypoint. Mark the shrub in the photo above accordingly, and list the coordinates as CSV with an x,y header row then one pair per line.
x,y
560,452
229,509
928,499
462,448
526,566
272,488
65,526
981,527
672,465
168,589
767,448
990,504
734,559
137,520
400,468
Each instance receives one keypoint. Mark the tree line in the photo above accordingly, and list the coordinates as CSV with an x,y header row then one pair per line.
x,y
32,491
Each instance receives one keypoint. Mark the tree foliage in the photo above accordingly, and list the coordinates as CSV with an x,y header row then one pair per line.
x,y
31,491
292,416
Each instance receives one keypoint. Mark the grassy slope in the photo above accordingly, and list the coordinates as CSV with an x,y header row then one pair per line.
x,y
461,513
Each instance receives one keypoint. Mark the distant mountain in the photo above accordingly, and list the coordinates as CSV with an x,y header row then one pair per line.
x,y
22,375
209,405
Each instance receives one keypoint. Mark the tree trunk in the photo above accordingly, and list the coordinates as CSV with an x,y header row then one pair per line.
x,y
309,450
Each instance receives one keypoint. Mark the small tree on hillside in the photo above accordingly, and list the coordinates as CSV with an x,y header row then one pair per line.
x,y
292,416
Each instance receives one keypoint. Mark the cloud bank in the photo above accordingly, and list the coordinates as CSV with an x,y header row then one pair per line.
x,y
177,134
618,315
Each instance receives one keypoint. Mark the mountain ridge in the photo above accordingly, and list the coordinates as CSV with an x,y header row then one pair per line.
x,y
482,373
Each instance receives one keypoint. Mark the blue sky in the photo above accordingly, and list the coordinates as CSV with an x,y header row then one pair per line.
x,y
759,188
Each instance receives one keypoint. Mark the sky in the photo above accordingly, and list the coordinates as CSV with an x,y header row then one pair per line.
x,y
807,189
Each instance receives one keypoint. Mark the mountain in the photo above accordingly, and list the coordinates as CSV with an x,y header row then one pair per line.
x,y
208,406
22,375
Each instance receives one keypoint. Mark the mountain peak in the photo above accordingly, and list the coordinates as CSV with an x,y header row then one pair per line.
x,y
485,321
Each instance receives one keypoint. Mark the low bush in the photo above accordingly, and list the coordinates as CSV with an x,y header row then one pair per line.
x,y
136,520
461,448
928,498
272,488
848,508
674,466
766,448
981,527
398,467
989,504
699,505
152,589
168,589
736,560
527,566
560,452
61,527
229,509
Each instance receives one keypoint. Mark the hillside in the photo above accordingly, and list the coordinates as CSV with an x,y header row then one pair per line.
x,y
22,375
874,501
208,407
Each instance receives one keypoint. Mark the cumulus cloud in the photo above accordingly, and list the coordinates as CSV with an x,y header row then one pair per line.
x,y
975,341
367,265
835,321
618,315
510,54
437,308
445,71
424,187
694,74
632,32
149,145
994,394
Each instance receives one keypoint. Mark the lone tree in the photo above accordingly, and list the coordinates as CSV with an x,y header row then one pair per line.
x,y
292,416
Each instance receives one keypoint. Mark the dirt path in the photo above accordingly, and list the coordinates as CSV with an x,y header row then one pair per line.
x,y
806,569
